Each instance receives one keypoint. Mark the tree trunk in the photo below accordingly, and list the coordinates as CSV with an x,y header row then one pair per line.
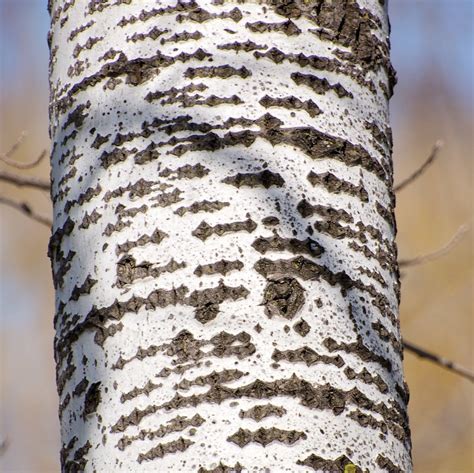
x,y
223,248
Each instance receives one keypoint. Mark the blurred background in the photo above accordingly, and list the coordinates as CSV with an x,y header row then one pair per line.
x,y
432,50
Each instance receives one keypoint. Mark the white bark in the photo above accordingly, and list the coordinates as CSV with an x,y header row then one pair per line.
x,y
223,247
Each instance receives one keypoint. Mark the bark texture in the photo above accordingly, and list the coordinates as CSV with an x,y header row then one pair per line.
x,y
223,248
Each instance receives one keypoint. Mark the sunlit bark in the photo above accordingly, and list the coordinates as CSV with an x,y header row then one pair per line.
x,y
223,246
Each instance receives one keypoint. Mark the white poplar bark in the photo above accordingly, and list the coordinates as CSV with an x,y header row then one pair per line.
x,y
223,248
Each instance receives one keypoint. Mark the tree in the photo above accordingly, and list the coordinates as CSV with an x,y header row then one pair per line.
x,y
223,246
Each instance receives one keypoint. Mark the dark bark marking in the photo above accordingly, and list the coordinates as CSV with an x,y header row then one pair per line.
x,y
270,221
313,143
163,449
307,355
55,242
199,15
318,85
129,271
80,29
246,46
156,238
80,387
85,288
136,391
366,420
84,197
291,103
154,33
286,27
206,301
165,199
389,337
302,328
145,15
222,72
188,171
293,245
257,413
203,231
264,179
283,297
137,189
216,377
116,227
92,399
388,465
177,424
334,466
78,463
173,93
202,206
89,44
222,468
219,267
367,378
319,63
184,36
265,436
77,116
305,209
336,185
319,397
360,350
90,219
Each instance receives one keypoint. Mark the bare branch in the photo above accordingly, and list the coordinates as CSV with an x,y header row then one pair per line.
x,y
449,365
26,209
433,155
15,146
16,164
24,180
440,252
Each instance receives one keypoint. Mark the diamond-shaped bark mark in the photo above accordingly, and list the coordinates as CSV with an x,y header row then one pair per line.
x,y
204,230
259,412
163,449
264,178
222,468
265,436
283,297
293,245
306,355
302,328
323,464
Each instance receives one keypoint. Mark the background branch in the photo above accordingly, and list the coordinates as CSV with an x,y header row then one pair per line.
x,y
421,169
16,164
441,251
449,365
24,181
26,209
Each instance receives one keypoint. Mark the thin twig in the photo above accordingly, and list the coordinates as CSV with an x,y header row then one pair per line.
x,y
24,180
441,251
26,209
15,145
449,365
433,155
16,164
